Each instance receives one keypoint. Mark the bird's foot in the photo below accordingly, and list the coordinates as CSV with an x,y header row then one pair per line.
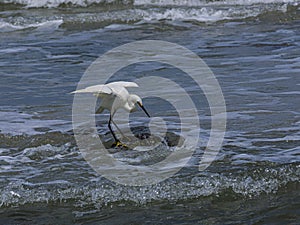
x,y
119,144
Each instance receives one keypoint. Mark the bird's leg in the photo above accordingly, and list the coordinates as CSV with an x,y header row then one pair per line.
x,y
117,141
118,129
112,132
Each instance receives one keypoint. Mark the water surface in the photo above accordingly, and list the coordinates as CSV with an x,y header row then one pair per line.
x,y
252,47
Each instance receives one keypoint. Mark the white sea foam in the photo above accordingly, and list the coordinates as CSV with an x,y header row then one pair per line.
x,y
189,3
201,15
142,11
56,3
205,3
53,24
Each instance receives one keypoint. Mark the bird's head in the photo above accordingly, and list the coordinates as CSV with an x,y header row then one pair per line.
x,y
136,100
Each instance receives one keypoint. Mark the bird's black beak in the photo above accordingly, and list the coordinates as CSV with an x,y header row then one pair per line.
x,y
143,108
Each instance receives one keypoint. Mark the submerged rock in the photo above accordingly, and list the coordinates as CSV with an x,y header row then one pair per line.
x,y
142,138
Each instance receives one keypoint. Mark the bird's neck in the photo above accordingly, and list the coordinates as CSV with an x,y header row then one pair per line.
x,y
130,105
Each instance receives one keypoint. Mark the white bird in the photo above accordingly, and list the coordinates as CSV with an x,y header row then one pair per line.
x,y
113,97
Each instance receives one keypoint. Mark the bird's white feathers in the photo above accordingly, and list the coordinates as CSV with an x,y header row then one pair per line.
x,y
110,88
122,84
96,89
113,95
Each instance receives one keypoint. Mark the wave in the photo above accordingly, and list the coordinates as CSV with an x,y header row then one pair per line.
x,y
209,2
103,13
61,3
49,168
10,26
18,123
186,3
100,192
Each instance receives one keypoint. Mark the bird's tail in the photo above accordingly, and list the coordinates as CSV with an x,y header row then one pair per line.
x,y
78,91
99,110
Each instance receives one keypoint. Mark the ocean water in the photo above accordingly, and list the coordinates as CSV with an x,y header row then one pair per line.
x,y
251,46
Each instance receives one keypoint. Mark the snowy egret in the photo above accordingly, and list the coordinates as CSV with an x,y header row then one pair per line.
x,y
113,97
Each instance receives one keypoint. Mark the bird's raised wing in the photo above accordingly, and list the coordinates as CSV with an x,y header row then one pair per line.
x,y
96,89
124,84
